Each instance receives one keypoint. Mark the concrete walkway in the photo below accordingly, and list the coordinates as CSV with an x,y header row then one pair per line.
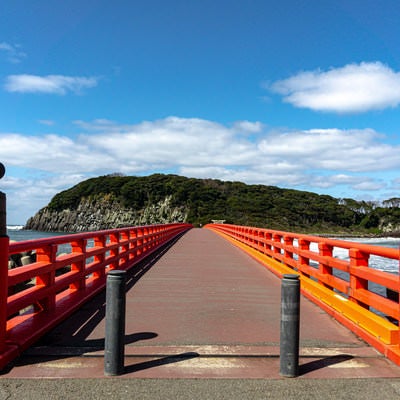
x,y
203,309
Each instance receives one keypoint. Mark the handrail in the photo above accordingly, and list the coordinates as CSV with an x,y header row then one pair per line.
x,y
68,271
364,299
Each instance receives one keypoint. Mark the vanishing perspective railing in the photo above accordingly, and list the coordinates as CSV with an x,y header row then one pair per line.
x,y
363,298
65,272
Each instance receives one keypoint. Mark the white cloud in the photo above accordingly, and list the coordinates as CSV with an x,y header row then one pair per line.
x,y
355,183
50,84
369,185
333,149
312,159
25,196
174,142
13,53
353,88
248,126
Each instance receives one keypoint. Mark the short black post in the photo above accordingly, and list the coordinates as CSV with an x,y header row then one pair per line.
x,y
114,350
290,326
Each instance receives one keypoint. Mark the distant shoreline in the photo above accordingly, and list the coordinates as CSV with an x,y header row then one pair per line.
x,y
17,228
360,235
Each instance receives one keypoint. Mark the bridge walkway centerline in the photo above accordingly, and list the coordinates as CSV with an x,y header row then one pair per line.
x,y
202,308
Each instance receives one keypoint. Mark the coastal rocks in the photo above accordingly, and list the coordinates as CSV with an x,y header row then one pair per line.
x,y
389,225
104,212
389,228
20,259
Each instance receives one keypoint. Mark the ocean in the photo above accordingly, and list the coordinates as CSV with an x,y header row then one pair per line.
x,y
380,263
15,232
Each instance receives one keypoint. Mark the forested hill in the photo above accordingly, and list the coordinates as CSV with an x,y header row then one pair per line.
x,y
114,201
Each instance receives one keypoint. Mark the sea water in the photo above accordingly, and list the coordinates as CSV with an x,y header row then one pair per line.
x,y
17,233
379,263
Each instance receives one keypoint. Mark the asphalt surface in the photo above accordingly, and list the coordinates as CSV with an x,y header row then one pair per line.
x,y
186,389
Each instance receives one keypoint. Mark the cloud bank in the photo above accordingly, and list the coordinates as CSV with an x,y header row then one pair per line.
x,y
206,148
50,84
354,88
318,159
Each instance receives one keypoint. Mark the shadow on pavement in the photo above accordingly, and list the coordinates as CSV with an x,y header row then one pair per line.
x,y
323,363
159,362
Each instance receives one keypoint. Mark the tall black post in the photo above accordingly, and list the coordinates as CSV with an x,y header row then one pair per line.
x,y
114,350
3,219
4,244
290,326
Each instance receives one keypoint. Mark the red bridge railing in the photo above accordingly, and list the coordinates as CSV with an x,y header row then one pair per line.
x,y
68,271
363,298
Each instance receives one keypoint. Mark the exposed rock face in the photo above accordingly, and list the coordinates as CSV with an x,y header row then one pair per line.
x,y
389,227
104,213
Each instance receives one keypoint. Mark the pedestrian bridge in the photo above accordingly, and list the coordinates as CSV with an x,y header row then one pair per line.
x,y
199,302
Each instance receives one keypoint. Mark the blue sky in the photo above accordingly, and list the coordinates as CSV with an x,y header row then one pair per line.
x,y
297,94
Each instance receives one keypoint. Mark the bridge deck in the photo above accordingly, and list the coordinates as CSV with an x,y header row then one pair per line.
x,y
202,309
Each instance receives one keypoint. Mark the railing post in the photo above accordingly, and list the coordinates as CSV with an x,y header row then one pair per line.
x,y
288,255
290,326
100,241
357,259
114,239
79,247
325,250
47,254
4,243
124,249
304,262
115,323
132,244
276,238
268,246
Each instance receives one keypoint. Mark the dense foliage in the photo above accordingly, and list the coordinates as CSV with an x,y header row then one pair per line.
x,y
235,202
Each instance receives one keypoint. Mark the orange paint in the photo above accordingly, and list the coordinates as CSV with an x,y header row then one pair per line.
x,y
349,301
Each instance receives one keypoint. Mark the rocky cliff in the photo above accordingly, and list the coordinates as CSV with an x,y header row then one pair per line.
x,y
104,212
115,200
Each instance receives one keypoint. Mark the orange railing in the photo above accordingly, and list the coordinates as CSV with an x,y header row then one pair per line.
x,y
67,271
363,298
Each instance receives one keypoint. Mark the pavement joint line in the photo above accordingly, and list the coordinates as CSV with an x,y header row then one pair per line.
x,y
201,351
239,356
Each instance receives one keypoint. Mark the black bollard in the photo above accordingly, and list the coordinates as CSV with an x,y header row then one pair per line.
x,y
114,350
290,326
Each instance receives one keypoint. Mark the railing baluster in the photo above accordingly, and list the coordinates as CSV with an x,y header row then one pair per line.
x,y
288,253
78,247
304,262
277,245
325,271
100,242
48,255
114,251
357,259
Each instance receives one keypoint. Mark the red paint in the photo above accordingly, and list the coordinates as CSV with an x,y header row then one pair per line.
x,y
54,291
